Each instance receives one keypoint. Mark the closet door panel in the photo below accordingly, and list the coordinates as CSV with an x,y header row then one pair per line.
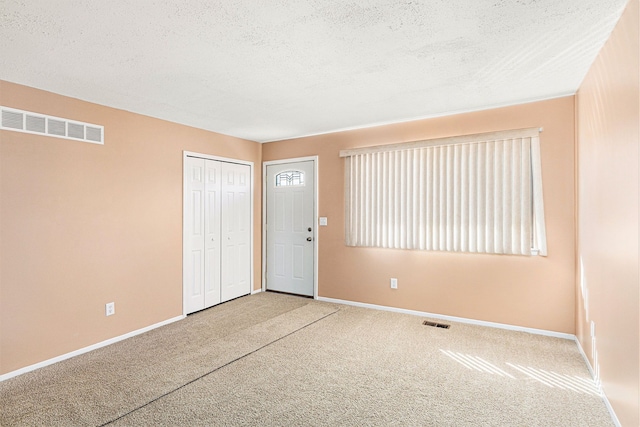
x,y
194,251
236,216
212,214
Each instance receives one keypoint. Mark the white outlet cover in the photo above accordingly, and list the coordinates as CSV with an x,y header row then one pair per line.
x,y
110,309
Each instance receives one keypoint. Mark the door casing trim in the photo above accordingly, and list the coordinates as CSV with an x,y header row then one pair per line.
x,y
314,159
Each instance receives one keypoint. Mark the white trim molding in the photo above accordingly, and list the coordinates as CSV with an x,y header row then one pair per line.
x,y
452,318
87,349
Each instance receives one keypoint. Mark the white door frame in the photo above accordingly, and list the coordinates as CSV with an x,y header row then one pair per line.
x,y
186,154
314,159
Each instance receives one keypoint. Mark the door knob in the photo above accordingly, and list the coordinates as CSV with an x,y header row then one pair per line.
x,y
309,239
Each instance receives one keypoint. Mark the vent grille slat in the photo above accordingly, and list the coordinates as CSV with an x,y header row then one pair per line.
x,y
12,119
76,130
57,127
30,122
94,134
36,124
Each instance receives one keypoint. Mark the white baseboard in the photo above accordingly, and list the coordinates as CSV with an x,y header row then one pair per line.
x,y
586,359
614,417
86,349
452,318
256,291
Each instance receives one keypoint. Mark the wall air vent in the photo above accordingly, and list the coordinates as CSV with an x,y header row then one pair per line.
x,y
40,124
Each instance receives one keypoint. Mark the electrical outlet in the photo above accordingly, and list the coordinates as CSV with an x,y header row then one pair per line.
x,y
110,309
394,283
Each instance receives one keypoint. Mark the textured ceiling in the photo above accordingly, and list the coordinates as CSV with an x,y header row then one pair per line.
x,y
270,70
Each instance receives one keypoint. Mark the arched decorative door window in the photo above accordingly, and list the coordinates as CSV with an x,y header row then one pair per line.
x,y
290,178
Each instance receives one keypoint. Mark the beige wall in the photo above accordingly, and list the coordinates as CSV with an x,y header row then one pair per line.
x,y
608,118
82,225
535,292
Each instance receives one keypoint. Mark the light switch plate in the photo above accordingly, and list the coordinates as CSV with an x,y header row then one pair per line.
x,y
323,221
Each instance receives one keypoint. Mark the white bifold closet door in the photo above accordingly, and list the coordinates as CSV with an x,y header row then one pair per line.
x,y
217,257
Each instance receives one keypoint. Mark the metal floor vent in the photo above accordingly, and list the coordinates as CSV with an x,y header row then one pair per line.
x,y
436,325
40,124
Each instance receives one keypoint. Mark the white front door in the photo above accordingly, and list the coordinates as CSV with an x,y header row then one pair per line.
x,y
290,227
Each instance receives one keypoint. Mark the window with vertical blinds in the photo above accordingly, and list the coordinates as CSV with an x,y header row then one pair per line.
x,y
474,193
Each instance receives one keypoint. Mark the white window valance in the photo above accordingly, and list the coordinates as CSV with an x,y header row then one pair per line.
x,y
474,193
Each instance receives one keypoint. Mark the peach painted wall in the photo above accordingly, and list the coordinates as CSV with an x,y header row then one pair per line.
x,y
608,117
82,225
534,292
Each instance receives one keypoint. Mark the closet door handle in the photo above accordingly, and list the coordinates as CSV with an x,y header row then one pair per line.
x,y
309,239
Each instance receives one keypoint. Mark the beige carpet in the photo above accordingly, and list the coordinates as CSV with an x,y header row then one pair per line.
x,y
279,360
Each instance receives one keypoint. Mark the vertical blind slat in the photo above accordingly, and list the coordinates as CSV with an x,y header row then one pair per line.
x,y
473,197
484,196
457,199
464,198
404,208
500,186
347,202
441,219
511,196
378,203
359,200
525,206
538,203
421,200
429,199
384,200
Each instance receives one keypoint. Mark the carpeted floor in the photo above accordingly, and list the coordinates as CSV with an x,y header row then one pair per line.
x,y
279,360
